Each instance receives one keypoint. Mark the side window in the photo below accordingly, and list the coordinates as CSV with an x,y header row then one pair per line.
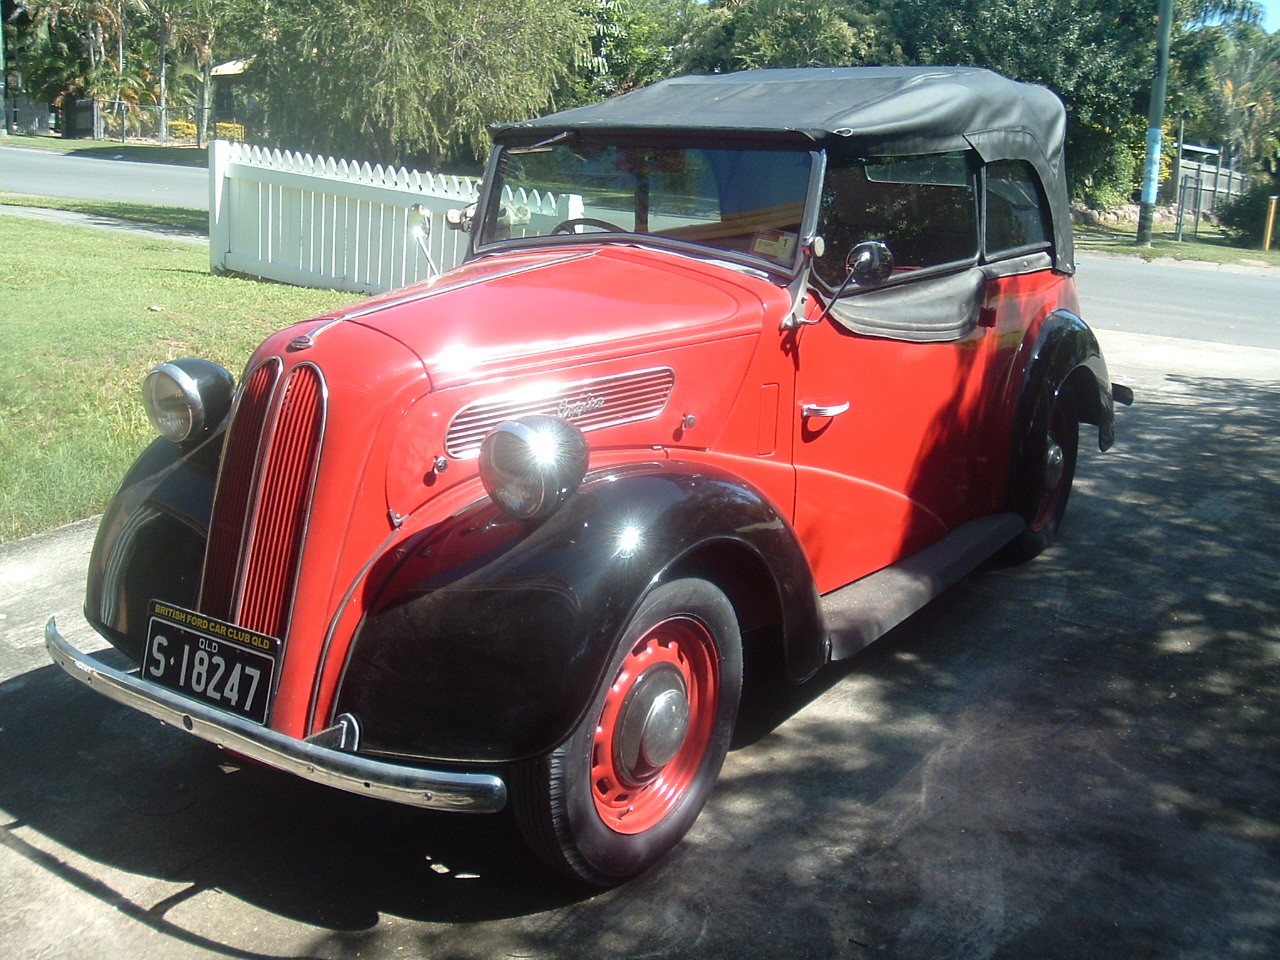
x,y
923,208
1016,218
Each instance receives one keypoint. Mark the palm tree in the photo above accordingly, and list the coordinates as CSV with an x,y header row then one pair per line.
x,y
1247,77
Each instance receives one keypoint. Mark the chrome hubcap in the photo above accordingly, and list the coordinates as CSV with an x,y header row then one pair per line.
x,y
655,719
1054,461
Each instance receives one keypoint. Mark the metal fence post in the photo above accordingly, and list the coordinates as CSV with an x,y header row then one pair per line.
x,y
1182,205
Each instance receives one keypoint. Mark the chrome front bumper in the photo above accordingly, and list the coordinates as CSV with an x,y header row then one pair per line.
x,y
434,789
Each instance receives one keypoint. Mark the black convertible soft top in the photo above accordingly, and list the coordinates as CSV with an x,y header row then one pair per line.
x,y
863,110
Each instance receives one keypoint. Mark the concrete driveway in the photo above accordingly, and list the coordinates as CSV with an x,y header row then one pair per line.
x,y
1075,758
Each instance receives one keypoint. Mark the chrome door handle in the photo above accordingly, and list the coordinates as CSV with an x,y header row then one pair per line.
x,y
821,410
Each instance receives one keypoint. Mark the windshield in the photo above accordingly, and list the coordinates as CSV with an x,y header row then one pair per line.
x,y
747,202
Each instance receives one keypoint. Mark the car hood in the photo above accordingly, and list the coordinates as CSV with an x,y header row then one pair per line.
x,y
517,314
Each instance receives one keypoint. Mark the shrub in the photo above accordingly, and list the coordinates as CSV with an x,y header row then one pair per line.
x,y
1244,217
182,130
228,131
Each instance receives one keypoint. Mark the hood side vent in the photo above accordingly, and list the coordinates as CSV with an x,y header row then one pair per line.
x,y
588,404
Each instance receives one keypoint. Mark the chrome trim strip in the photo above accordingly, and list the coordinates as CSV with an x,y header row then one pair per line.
x,y
310,499
435,291
253,481
399,783
357,583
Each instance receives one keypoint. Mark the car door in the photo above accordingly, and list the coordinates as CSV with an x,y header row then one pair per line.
x,y
890,383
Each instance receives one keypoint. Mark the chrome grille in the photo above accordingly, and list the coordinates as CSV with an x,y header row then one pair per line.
x,y
284,497
589,404
261,506
235,491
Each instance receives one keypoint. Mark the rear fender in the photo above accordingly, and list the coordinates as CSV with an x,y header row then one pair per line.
x,y
1063,346
1065,361
492,651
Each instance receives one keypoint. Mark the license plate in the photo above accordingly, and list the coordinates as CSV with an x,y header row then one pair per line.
x,y
215,662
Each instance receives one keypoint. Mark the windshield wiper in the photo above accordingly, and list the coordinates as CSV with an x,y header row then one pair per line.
x,y
542,146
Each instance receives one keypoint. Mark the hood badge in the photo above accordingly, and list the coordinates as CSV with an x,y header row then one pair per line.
x,y
572,409
305,341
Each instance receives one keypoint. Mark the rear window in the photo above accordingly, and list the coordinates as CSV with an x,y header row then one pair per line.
x,y
1017,221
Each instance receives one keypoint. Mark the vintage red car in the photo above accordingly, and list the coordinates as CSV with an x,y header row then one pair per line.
x,y
775,355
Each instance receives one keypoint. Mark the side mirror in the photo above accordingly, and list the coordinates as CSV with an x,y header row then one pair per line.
x,y
419,222
870,263
514,215
460,219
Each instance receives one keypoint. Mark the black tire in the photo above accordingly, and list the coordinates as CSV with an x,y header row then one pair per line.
x,y
1044,486
620,793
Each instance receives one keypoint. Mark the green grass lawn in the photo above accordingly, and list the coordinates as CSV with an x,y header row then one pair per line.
x,y
84,315
1211,245
186,156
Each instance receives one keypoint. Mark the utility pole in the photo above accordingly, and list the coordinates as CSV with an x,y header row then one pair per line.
x,y
4,83
1151,172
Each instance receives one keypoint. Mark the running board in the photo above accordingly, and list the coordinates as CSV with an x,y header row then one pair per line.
x,y
869,608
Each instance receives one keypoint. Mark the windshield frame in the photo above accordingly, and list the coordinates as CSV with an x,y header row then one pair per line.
x,y
489,207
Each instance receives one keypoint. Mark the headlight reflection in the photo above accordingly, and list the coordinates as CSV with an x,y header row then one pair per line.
x,y
531,465
629,541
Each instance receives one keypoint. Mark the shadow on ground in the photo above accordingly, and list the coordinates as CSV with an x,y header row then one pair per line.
x,y
1076,758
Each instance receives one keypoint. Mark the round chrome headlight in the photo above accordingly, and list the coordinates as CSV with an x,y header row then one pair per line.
x,y
530,465
187,398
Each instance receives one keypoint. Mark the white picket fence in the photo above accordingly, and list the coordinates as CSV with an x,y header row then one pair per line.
x,y
320,222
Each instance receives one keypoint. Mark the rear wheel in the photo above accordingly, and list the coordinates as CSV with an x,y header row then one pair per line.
x,y
1046,484
634,775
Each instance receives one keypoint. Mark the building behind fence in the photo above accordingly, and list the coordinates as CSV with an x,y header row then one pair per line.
x,y
1204,188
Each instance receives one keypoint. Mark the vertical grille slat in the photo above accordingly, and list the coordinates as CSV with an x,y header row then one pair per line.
x,y
235,491
262,503
275,544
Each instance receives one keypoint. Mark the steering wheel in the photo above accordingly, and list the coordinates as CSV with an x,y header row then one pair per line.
x,y
568,226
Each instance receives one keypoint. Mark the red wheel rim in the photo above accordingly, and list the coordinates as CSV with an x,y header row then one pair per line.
x,y
1059,435
682,648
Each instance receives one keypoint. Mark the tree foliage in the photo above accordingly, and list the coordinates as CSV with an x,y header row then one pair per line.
x,y
1097,55
1244,100
632,43
745,34
385,80
393,80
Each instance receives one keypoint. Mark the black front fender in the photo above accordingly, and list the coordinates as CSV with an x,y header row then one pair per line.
x,y
151,540
492,652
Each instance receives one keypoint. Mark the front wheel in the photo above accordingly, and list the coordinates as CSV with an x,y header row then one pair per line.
x,y
635,773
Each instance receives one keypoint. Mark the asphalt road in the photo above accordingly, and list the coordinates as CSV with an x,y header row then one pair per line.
x,y
44,174
1188,300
